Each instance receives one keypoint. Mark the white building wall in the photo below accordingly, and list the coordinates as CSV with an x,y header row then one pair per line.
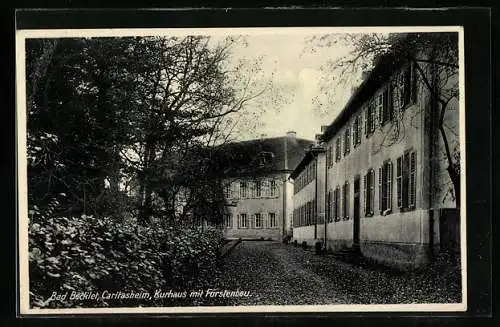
x,y
406,231
250,206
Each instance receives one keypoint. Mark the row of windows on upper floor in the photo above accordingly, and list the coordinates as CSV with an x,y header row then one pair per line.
x,y
338,200
267,188
305,177
306,214
257,220
379,111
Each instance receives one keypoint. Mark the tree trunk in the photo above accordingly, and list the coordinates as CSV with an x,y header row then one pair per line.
x,y
455,179
145,210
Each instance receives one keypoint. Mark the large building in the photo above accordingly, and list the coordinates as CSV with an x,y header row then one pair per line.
x,y
257,187
385,190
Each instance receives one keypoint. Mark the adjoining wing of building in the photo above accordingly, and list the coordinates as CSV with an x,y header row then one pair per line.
x,y
256,185
377,183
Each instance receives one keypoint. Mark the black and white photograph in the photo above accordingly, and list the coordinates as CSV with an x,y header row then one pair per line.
x,y
280,169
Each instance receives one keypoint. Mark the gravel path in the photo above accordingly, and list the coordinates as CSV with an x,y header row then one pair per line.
x,y
277,274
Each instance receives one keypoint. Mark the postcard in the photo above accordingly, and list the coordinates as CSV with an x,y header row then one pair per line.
x,y
212,170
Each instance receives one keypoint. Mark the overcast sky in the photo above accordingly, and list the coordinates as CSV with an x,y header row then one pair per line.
x,y
297,77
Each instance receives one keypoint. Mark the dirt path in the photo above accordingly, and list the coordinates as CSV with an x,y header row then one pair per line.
x,y
277,274
274,274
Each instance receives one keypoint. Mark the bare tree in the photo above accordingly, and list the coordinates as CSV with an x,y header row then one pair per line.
x,y
435,58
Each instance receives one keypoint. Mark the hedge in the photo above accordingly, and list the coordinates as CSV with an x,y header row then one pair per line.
x,y
97,254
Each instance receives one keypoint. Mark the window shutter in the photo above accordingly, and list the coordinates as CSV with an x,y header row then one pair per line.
x,y
406,180
412,179
347,200
334,205
308,213
365,194
380,111
360,128
380,192
385,104
399,181
373,117
301,215
372,190
390,101
315,216
389,186
342,202
367,112
354,131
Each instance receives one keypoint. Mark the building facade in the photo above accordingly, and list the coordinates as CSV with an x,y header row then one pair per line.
x,y
386,187
257,186
309,197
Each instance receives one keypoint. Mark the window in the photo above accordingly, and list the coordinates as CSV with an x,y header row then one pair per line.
x,y
336,204
258,189
272,220
329,156
337,150
370,119
235,190
227,221
408,85
384,105
228,191
272,188
412,180
385,188
406,171
258,220
243,190
368,190
243,220
356,131
345,201
265,158
347,141
265,188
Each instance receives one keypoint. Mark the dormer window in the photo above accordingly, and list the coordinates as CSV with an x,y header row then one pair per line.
x,y
265,158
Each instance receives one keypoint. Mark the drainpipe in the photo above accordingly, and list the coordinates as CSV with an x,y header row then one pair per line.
x,y
326,194
283,228
315,197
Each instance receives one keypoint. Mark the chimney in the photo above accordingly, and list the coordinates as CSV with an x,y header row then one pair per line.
x,y
262,136
324,128
291,134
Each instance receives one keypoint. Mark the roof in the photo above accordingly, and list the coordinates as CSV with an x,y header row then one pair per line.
x,y
260,156
383,70
310,155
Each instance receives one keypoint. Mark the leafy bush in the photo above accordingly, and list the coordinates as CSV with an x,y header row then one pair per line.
x,y
90,254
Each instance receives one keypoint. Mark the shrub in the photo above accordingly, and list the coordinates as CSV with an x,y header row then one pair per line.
x,y
95,254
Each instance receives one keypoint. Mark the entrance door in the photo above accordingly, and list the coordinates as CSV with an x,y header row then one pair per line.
x,y
355,236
